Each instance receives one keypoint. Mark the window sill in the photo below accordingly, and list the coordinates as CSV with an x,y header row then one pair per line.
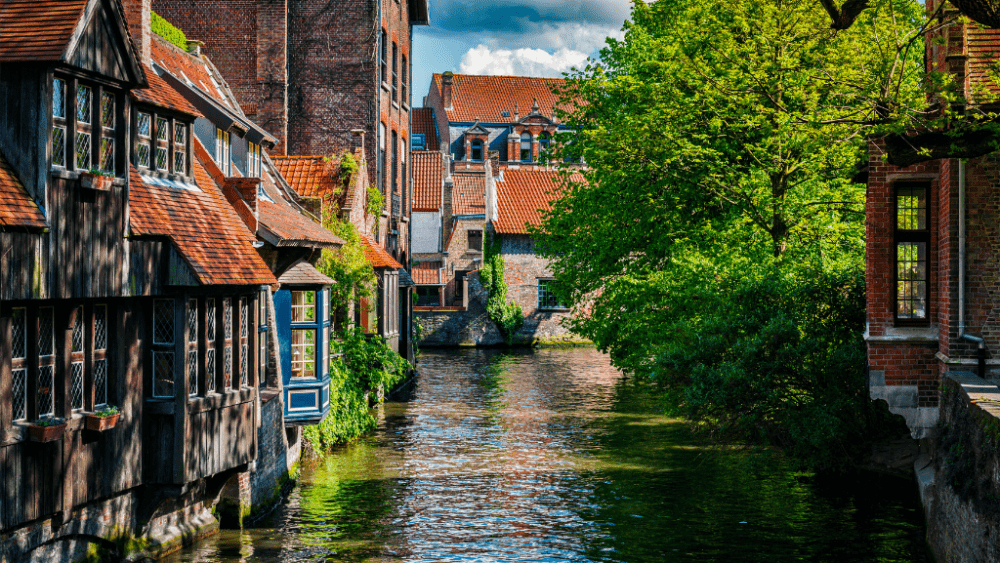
x,y
385,86
64,174
395,104
905,334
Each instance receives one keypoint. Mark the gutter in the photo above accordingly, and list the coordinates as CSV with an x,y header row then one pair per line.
x,y
962,335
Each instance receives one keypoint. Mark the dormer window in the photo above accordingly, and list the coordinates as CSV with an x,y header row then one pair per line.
x,y
222,150
84,126
168,154
253,160
525,147
145,146
161,144
180,148
544,140
476,150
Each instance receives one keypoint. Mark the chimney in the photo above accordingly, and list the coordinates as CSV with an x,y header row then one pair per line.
x,y
446,86
137,18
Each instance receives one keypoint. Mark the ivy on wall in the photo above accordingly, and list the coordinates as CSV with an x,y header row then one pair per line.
x,y
506,315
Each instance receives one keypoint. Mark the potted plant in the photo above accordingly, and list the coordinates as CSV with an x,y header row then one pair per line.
x,y
103,419
96,179
46,429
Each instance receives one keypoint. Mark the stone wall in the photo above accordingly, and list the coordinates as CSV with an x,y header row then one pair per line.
x,y
277,456
522,271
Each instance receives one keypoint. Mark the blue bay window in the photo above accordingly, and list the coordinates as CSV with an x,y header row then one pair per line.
x,y
302,319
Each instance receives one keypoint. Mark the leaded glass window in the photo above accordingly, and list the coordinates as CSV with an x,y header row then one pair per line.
x,y
19,362
162,132
45,397
180,148
163,350
100,355
107,132
210,347
192,347
58,122
145,146
83,128
76,360
227,350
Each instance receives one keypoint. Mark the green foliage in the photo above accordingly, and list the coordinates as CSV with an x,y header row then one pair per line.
x,y
731,133
353,276
109,410
348,167
51,421
368,367
166,30
506,315
376,203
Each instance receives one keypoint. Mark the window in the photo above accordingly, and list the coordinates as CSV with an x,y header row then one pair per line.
x,y
83,126
162,148
100,356
253,160
381,59
912,236
262,337
163,348
395,162
475,240
19,362
428,296
145,146
402,171
76,360
244,343
227,344
476,150
525,147
310,334
380,162
418,142
192,347
544,140
546,297
210,332
222,148
59,122
107,132
402,81
395,73
180,148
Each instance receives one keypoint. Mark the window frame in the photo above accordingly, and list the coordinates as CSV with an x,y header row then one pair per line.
x,y
71,124
468,239
472,150
543,286
909,236
521,140
169,123
319,327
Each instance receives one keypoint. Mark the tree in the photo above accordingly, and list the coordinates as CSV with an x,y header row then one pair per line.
x,y
724,140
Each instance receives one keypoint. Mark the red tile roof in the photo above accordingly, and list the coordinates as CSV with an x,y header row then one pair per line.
x,y
185,66
286,221
524,195
422,120
163,95
426,273
310,176
376,256
469,193
486,97
37,30
202,226
428,172
17,209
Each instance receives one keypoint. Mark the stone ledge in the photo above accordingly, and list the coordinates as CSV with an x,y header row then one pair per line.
x,y
925,334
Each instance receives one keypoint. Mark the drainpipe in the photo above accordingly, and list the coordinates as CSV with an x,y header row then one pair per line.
x,y
980,343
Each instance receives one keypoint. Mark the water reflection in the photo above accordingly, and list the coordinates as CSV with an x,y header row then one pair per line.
x,y
551,456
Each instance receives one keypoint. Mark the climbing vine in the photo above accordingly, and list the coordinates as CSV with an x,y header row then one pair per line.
x,y
506,315
376,203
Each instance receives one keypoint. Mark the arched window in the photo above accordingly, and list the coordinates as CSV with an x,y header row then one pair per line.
x,y
544,140
525,147
476,150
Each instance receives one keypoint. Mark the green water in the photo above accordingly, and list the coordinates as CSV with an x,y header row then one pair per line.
x,y
552,456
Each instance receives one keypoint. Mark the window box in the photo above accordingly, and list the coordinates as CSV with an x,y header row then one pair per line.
x,y
95,180
104,419
52,430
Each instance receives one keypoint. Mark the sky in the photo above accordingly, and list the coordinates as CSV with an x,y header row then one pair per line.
x,y
514,37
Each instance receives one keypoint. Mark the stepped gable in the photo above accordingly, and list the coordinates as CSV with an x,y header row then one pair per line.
x,y
422,120
376,256
201,225
289,223
17,209
469,193
524,195
486,98
428,173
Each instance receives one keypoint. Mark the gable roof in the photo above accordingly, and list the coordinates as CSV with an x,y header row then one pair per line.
x,y
428,173
309,176
469,194
422,120
17,209
303,273
524,195
376,256
161,94
427,273
285,223
53,30
206,232
485,98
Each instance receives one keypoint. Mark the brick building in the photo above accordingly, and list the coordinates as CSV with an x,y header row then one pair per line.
x,y
312,72
933,283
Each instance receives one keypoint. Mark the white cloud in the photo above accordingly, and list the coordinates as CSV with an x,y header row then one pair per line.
x,y
520,62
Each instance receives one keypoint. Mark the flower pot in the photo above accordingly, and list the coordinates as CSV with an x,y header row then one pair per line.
x,y
46,433
95,181
101,423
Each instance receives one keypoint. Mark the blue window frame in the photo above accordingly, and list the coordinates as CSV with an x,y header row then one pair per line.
x,y
302,320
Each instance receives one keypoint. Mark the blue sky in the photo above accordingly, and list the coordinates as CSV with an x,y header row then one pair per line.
x,y
518,37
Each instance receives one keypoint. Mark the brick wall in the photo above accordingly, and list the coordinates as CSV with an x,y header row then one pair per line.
x,y
460,257
522,269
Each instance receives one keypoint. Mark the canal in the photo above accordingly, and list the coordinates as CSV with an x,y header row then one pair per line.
x,y
551,455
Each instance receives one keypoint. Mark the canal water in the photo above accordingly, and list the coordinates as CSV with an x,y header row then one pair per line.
x,y
551,455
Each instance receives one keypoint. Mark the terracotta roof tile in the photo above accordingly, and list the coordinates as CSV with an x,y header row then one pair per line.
x,y
469,193
422,120
426,273
486,97
163,95
523,196
288,223
303,273
428,172
185,66
205,231
37,30
376,256
310,176
17,209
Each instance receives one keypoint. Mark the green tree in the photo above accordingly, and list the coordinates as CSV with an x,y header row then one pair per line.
x,y
723,140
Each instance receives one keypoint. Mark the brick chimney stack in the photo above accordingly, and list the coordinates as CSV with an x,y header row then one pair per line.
x,y
137,18
446,84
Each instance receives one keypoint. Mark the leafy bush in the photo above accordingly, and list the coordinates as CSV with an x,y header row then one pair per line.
x,y
376,203
348,167
166,30
506,315
368,365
